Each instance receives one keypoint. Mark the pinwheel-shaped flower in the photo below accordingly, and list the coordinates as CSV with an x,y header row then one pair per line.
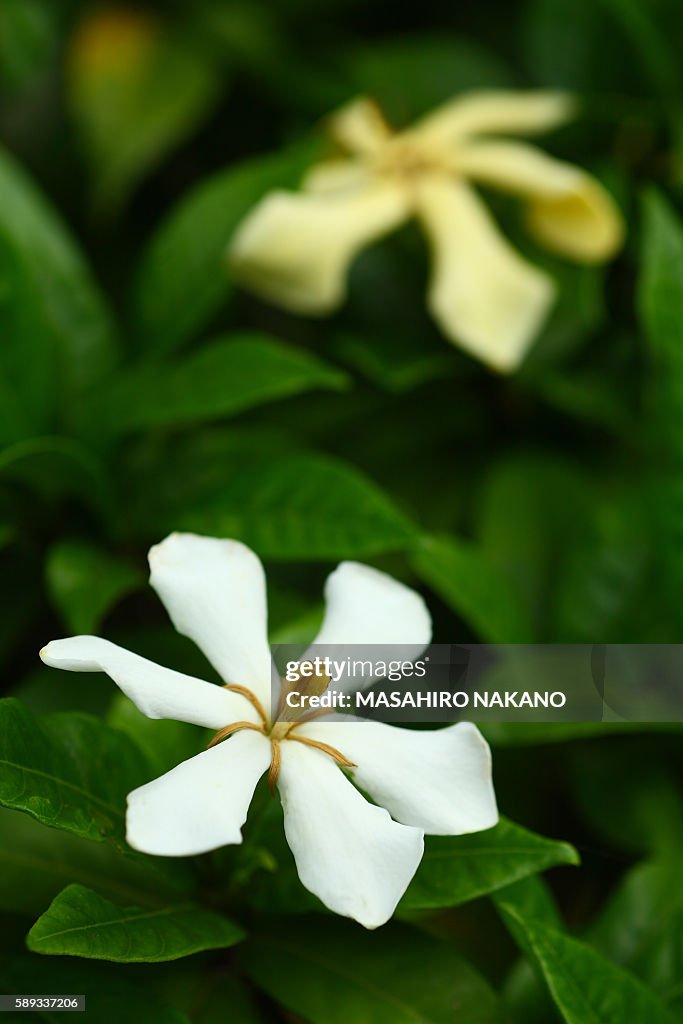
x,y
295,248
356,856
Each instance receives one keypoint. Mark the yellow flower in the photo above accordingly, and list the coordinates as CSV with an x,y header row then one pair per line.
x,y
295,249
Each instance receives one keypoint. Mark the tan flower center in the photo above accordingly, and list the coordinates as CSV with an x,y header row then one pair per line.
x,y
277,732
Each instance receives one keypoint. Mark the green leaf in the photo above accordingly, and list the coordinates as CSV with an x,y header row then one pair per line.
x,y
85,583
27,41
604,573
330,971
586,988
112,995
660,296
532,897
54,467
397,363
593,396
651,47
524,992
79,922
227,376
57,337
37,862
165,742
136,88
303,506
68,770
642,925
477,592
183,279
530,510
456,869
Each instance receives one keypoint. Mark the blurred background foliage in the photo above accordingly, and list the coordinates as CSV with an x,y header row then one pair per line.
x,y
141,391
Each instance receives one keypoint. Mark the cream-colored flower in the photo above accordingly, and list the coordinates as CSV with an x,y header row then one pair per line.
x,y
357,857
295,249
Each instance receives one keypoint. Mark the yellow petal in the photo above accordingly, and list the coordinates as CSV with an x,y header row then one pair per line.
x,y
569,211
483,294
295,249
334,176
481,113
359,127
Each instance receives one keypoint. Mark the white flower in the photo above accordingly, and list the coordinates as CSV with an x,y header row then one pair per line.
x,y
356,856
295,248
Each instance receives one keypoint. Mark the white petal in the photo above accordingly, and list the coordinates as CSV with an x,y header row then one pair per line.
x,y
158,692
359,127
215,593
364,606
500,112
203,803
348,852
569,211
295,249
439,781
483,294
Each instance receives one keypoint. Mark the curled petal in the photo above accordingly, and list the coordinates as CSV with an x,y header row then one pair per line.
x,y
200,805
569,211
158,692
483,294
215,593
295,250
439,781
359,127
497,112
364,606
348,852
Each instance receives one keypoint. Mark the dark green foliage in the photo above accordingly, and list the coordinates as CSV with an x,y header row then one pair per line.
x,y
142,391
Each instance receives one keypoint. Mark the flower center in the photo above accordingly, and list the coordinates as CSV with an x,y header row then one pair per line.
x,y
276,732
408,160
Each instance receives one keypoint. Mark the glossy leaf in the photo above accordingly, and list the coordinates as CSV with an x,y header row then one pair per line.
x,y
661,311
456,869
303,506
57,336
585,986
79,922
462,576
228,376
68,770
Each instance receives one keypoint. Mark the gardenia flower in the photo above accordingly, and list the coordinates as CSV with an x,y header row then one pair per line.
x,y
357,857
295,248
